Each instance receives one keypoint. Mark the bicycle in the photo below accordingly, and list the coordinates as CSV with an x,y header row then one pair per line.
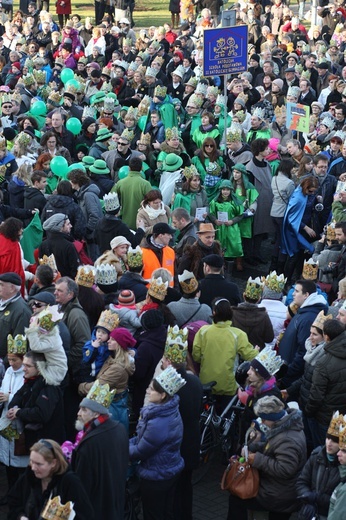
x,y
216,430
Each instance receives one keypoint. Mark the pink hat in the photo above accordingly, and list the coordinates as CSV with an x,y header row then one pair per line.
x,y
123,337
94,65
274,143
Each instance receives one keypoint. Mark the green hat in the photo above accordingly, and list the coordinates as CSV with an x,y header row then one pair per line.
x,y
88,160
226,184
99,167
97,98
103,134
240,168
172,162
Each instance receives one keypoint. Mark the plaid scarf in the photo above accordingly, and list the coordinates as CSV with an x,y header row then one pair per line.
x,y
91,425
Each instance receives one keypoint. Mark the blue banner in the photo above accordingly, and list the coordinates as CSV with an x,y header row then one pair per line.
x,y
225,50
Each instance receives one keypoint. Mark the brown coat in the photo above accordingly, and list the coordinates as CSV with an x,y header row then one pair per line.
x,y
113,373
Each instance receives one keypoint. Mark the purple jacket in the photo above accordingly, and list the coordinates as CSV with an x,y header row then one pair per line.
x,y
70,62
74,36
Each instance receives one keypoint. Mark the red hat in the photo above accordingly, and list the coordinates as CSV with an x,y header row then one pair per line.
x,y
16,64
179,53
123,337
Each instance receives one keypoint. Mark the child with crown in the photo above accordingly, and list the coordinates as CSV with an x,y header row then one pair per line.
x,y
156,447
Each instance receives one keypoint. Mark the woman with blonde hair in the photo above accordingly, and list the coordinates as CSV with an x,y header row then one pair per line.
x,y
47,476
97,40
17,184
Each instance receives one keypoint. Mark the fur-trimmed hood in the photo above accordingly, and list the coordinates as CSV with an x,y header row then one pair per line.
x,y
291,421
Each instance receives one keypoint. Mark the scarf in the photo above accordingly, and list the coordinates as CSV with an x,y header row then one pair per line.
x,y
158,246
313,353
149,306
91,425
154,213
4,303
268,385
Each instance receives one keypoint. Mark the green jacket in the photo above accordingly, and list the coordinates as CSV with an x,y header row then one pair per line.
x,y
337,505
339,211
216,348
131,191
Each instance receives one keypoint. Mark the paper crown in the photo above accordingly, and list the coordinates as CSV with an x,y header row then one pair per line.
x,y
179,71
335,423
16,98
5,98
201,89
121,63
71,89
143,106
85,276
310,270
128,134
195,101
89,112
49,317
190,171
2,143
16,345
55,97
23,139
145,139
48,260
192,82
234,133
254,288
176,344
259,112
321,319
158,289
111,201
299,68
55,510
275,282
133,66
160,91
240,114
312,148
214,169
151,72
127,41
280,111
28,80
342,434
241,96
106,274
328,122
160,60
221,101
293,91
101,394
188,282
305,74
45,91
172,133
170,381
212,91
133,112
330,232
40,76
135,257
108,320
269,359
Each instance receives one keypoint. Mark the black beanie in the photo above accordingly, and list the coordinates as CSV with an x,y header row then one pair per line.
x,y
87,122
255,57
152,319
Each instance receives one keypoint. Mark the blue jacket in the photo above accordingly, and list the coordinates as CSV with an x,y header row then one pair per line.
x,y
158,440
292,239
95,357
292,345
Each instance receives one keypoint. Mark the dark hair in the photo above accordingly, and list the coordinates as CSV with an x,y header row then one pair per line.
x,y
258,146
35,356
306,159
319,157
333,328
10,228
213,156
285,167
78,177
309,182
37,176
48,135
44,273
222,310
64,188
181,213
158,388
308,286
341,106
341,225
135,164
72,286
210,116
32,120
92,302
150,196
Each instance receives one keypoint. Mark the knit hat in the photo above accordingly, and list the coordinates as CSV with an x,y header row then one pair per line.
x,y
99,398
126,298
87,122
123,337
119,241
55,222
255,57
152,319
278,82
16,64
270,408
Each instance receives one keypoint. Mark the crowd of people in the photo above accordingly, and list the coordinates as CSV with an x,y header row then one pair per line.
x,y
131,188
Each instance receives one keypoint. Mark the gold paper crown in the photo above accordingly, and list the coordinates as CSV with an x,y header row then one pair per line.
x,y
108,320
143,106
254,288
45,91
16,345
242,96
133,112
135,257
16,98
85,276
158,289
212,91
176,344
145,139
49,317
306,74
55,96
71,89
310,270
312,148
101,394
270,360
342,434
55,510
330,233
23,139
40,76
234,133
280,111
160,91
188,282
48,260
275,282
127,41
159,60
28,80
190,171
299,68
172,133
240,114
195,100
6,98
321,319
127,134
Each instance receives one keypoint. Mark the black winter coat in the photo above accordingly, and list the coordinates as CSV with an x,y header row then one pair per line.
x,y
41,411
101,461
216,286
135,283
66,256
34,199
67,206
329,383
321,476
111,226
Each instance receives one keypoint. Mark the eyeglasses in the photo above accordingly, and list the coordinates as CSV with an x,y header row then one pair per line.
x,y
208,146
38,304
122,144
6,106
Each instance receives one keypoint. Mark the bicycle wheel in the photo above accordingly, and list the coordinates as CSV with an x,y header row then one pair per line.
x,y
207,449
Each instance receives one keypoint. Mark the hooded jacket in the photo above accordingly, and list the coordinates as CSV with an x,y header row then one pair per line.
x,y
65,253
292,345
89,202
338,498
67,206
111,226
255,322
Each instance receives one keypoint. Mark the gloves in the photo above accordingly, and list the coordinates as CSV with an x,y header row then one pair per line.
x,y
309,498
307,512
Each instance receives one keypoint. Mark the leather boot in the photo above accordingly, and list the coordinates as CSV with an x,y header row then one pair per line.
x,y
239,264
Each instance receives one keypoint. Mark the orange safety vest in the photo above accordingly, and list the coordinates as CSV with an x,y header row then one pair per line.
x,y
151,262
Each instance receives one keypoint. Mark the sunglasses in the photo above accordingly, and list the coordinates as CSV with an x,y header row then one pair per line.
x,y
38,304
209,146
122,144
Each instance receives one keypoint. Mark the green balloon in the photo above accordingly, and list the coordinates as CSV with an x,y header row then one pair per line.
x,y
74,125
38,108
123,172
76,166
72,83
59,166
66,74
